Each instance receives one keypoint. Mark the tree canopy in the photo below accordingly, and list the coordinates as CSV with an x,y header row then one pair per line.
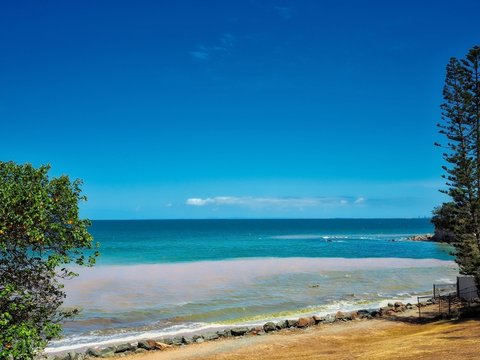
x,y
40,234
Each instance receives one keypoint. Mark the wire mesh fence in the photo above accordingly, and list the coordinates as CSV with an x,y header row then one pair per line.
x,y
448,299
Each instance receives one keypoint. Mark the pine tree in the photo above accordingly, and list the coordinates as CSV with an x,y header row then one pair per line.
x,y
461,126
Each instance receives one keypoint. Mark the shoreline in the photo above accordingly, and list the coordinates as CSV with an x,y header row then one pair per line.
x,y
218,327
148,345
394,332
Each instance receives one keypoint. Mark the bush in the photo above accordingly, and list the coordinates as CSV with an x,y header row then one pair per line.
x,y
40,234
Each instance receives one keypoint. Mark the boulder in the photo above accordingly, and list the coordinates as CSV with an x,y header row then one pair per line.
x,y
93,352
107,352
281,324
363,314
196,337
269,327
398,304
341,316
186,340
329,318
161,346
75,356
354,315
227,333
124,347
318,319
305,322
257,330
291,323
177,340
168,341
239,331
210,336
146,345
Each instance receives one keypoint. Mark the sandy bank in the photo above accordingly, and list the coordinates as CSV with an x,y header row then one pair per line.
x,y
362,339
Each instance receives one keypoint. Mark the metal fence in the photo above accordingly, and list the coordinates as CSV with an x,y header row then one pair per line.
x,y
448,299
445,289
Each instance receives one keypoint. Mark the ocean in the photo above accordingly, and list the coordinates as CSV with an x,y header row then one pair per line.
x,y
159,278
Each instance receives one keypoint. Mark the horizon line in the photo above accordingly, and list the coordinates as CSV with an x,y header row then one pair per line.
x,y
279,218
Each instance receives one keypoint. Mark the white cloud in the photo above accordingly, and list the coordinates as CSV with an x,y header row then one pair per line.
x,y
359,200
279,202
198,202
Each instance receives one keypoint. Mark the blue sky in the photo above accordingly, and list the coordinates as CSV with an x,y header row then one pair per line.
x,y
220,109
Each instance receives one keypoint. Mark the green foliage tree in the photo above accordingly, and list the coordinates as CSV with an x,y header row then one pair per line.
x,y
40,234
443,219
461,127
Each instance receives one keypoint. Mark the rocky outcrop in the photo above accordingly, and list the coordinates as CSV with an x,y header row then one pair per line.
x,y
424,237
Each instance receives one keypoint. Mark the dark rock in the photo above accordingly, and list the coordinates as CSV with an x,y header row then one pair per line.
x,y
186,340
210,336
291,323
168,341
318,319
177,340
93,352
398,304
227,333
269,327
124,347
239,331
281,324
196,337
146,345
363,314
107,352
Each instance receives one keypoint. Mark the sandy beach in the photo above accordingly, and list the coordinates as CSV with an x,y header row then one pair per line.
x,y
395,338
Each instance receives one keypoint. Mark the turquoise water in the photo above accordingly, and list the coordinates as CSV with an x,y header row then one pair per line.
x,y
164,278
161,241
